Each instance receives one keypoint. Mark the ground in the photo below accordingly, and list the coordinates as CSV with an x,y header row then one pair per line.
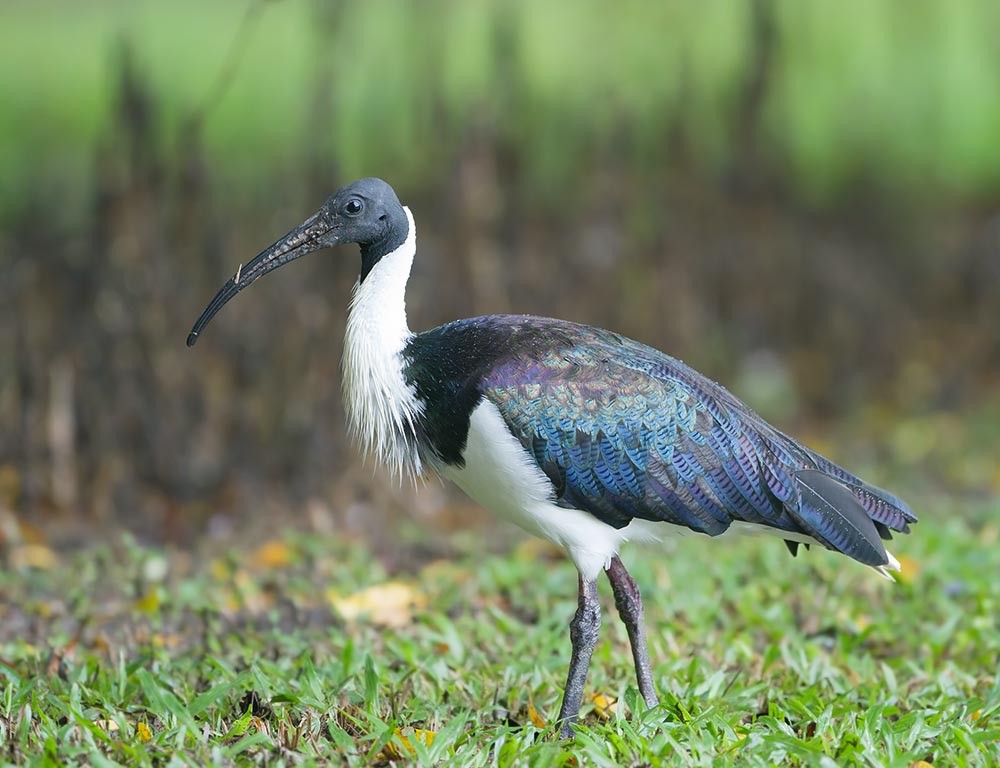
x,y
304,650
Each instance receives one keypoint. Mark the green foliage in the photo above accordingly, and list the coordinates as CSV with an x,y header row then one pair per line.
x,y
759,659
893,94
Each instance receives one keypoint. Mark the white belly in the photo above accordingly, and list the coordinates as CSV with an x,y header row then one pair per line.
x,y
503,477
500,475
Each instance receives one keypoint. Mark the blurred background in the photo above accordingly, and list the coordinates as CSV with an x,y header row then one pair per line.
x,y
802,200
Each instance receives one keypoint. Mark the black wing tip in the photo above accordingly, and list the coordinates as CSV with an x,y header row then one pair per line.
x,y
793,546
192,338
830,511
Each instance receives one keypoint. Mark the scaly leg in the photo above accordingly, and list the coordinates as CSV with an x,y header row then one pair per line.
x,y
629,603
583,630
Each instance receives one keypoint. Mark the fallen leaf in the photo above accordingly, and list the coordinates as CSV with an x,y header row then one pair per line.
x,y
108,726
536,719
259,725
219,569
444,570
273,554
45,609
909,569
990,533
229,604
386,605
33,556
535,549
10,486
404,748
149,602
102,643
604,706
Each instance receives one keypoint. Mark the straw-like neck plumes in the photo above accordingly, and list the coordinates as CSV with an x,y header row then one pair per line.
x,y
382,408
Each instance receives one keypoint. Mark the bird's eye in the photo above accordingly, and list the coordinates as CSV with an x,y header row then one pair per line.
x,y
353,207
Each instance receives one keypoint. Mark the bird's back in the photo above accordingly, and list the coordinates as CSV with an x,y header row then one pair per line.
x,y
626,432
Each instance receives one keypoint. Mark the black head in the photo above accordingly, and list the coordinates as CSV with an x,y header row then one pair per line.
x,y
366,212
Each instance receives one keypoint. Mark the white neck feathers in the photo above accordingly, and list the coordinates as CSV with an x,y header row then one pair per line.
x,y
381,407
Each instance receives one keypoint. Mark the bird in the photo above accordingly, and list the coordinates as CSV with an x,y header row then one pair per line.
x,y
578,435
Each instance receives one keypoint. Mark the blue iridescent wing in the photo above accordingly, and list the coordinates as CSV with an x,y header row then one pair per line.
x,y
624,431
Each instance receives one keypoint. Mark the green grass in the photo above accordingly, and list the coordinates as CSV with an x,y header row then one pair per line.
x,y
239,657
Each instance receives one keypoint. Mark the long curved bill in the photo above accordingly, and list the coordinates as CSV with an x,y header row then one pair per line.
x,y
314,233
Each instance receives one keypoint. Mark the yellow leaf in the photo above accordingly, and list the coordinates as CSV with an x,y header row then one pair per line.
x,y
219,569
443,570
149,602
401,750
33,556
386,605
143,732
536,719
273,554
10,486
538,549
165,641
604,706
990,533
909,569
921,764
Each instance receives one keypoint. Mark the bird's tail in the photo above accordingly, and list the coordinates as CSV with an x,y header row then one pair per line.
x,y
847,514
888,512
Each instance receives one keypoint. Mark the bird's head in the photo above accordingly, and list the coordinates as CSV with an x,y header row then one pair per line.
x,y
366,212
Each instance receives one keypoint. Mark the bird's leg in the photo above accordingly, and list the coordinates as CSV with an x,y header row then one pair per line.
x,y
583,630
629,603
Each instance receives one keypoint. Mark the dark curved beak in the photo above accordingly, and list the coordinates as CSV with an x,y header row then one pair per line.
x,y
314,233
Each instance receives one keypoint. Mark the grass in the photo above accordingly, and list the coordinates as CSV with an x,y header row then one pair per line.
x,y
305,650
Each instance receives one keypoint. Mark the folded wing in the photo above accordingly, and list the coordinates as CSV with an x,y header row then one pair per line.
x,y
624,431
